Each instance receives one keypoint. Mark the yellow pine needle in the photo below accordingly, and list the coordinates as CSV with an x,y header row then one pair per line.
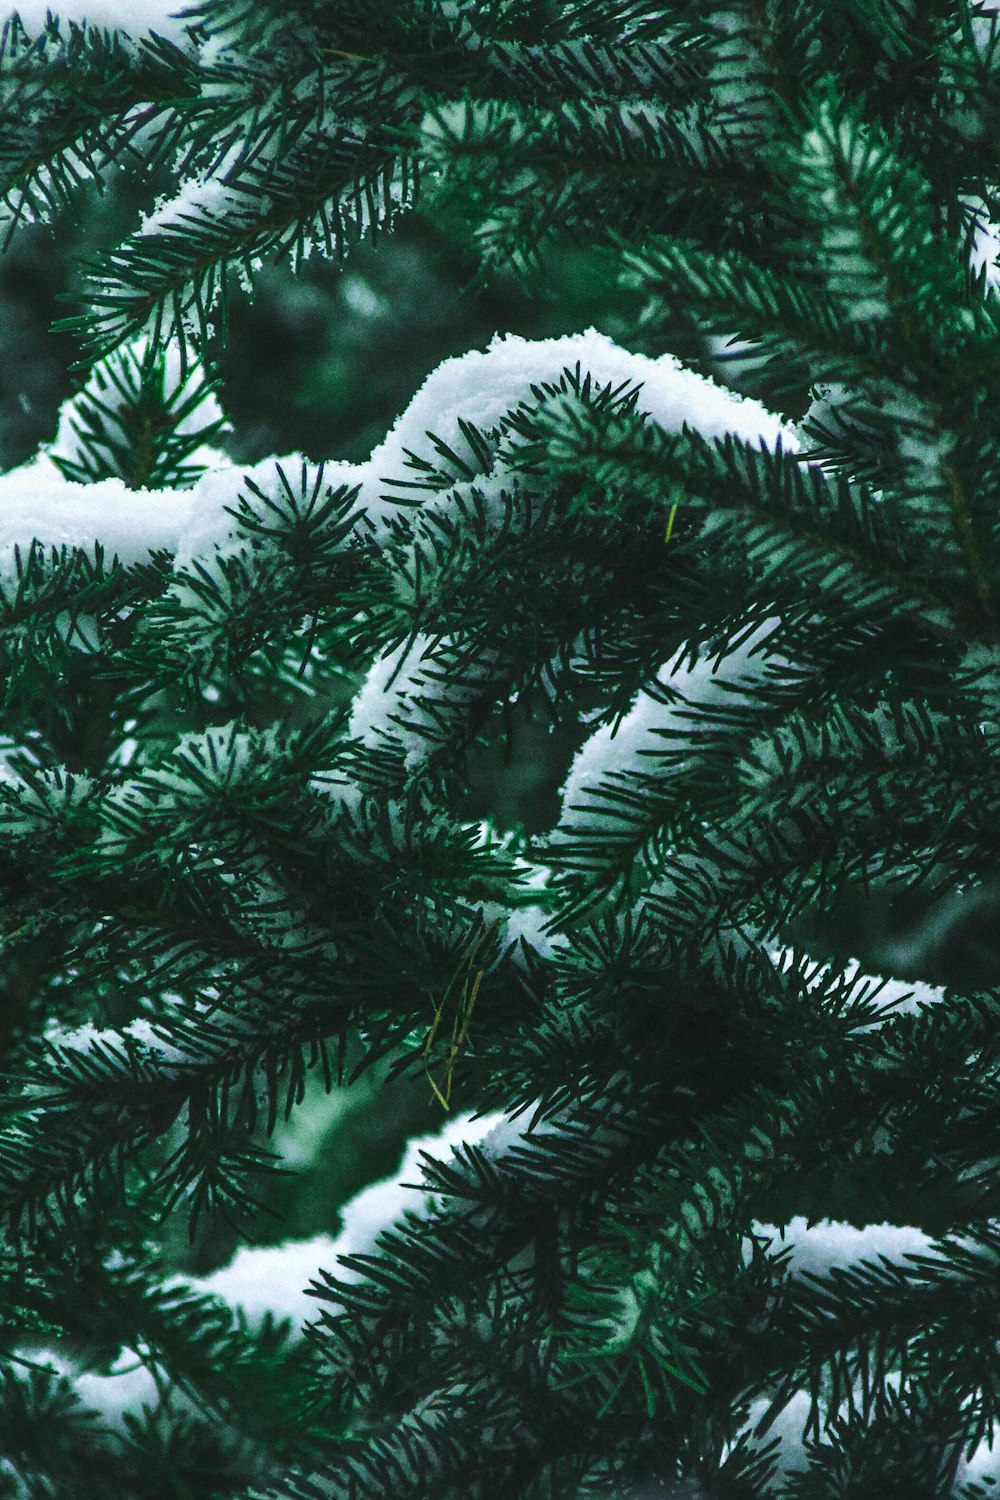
x,y
463,1015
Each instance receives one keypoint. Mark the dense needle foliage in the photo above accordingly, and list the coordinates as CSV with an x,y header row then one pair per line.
x,y
575,761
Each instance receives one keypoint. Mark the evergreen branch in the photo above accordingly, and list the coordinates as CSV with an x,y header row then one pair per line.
x,y
785,321
170,279
92,99
778,508
141,420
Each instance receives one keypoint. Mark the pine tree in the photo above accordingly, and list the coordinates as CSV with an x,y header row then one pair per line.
x,y
565,770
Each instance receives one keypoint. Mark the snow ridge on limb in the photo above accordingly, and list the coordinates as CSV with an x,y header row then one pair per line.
x,y
484,391
409,698
272,1282
889,997
480,387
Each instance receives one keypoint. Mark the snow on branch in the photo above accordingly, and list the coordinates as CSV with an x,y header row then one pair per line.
x,y
38,503
398,704
134,17
273,1280
479,387
147,399
985,243
818,1249
200,200
891,997
483,386
658,725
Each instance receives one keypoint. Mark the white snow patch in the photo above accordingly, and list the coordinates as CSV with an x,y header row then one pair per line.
x,y
196,199
210,526
483,386
379,1206
986,243
506,1132
140,1032
7,773
983,1465
986,251
134,17
36,502
116,377
128,1389
273,1279
653,729
817,1249
386,691
789,1427
528,923
403,688
894,997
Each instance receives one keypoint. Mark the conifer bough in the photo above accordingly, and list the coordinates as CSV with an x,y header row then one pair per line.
x,y
714,1210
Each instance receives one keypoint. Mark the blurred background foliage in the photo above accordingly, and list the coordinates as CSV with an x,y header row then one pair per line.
x,y
320,362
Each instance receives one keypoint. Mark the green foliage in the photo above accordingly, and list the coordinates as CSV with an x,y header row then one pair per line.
x,y
227,893
139,421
